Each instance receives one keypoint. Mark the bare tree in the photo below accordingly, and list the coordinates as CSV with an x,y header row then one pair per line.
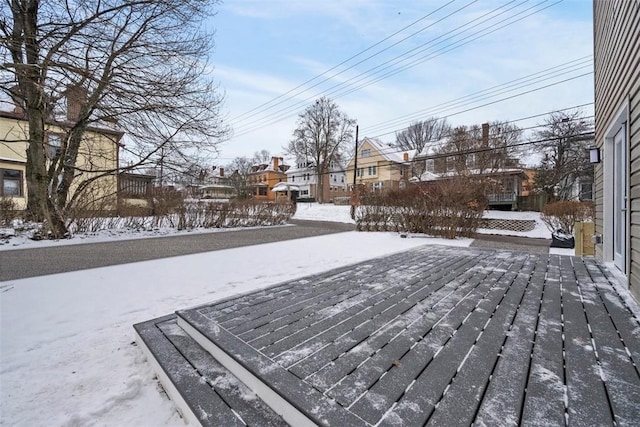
x,y
240,168
481,149
420,133
565,159
323,133
140,63
262,157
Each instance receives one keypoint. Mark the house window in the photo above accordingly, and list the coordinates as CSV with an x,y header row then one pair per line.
x,y
293,178
333,178
53,145
372,170
430,165
360,172
10,182
586,191
365,153
451,164
342,179
471,160
262,191
377,185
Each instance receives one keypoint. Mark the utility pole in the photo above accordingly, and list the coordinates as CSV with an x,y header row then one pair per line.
x,y
355,170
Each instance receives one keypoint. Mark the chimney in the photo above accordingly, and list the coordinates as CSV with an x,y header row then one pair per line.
x,y
76,96
405,157
275,162
485,134
222,172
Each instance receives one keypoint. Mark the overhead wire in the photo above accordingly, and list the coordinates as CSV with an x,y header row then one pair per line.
x,y
500,100
446,49
286,112
301,85
585,135
494,90
436,145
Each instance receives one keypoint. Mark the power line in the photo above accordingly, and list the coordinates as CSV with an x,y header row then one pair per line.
x,y
457,102
584,135
449,48
580,62
346,61
286,112
443,142
502,99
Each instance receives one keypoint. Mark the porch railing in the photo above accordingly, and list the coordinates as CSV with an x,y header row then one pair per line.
x,y
509,196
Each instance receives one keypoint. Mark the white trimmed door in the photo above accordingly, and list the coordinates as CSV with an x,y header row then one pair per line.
x,y
620,200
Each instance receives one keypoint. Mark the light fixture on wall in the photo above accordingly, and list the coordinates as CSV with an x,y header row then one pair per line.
x,y
594,155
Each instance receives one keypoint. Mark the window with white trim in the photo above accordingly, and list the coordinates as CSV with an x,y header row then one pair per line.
x,y
430,165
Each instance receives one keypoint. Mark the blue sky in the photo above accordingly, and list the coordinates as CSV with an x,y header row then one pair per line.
x,y
265,49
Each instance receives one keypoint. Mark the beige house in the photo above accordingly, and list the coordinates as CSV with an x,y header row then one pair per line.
x,y
617,133
98,153
380,166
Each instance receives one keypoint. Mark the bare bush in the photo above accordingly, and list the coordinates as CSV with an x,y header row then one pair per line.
x,y
8,211
564,214
450,209
191,215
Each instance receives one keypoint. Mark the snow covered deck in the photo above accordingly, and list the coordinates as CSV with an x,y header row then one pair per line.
x,y
435,335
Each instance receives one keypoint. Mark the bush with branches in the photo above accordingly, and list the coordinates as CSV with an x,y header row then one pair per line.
x,y
564,214
191,215
8,211
449,208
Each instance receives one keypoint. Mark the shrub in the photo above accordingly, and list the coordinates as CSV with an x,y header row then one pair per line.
x,y
8,211
564,214
194,214
448,208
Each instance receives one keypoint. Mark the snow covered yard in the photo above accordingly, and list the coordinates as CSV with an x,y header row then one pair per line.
x,y
67,351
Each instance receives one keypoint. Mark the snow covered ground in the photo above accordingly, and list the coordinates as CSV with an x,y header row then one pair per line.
x,y
67,352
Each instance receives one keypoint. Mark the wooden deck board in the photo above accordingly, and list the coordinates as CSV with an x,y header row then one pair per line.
x,y
435,336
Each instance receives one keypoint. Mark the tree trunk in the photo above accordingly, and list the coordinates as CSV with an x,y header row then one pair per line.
x,y
30,81
319,187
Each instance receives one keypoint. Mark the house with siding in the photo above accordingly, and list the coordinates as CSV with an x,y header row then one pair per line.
x,y
304,176
617,137
99,152
218,187
380,166
263,177
505,181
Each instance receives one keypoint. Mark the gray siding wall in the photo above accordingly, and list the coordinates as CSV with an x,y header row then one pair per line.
x,y
617,80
